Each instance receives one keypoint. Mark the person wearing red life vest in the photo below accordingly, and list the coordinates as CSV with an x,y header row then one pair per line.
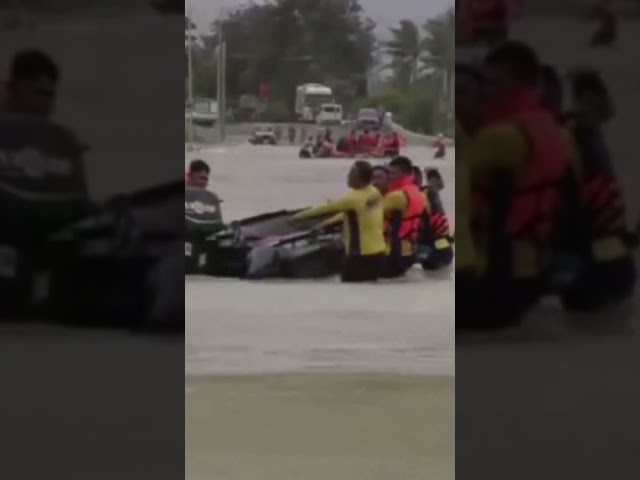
x,y
404,207
391,144
519,161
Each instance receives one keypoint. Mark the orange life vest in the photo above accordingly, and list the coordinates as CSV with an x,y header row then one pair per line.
x,y
406,226
533,210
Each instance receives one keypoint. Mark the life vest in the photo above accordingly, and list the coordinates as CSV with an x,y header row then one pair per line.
x,y
536,192
438,220
406,226
391,142
600,194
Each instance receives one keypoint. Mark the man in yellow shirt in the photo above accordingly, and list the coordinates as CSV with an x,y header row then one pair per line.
x,y
362,217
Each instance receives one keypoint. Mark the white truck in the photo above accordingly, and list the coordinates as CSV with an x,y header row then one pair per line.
x,y
315,104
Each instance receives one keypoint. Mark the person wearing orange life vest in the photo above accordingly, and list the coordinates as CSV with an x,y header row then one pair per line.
x,y
518,160
438,230
404,206
610,272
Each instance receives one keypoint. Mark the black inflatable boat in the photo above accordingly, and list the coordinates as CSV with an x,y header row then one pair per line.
x,y
119,267
65,259
271,246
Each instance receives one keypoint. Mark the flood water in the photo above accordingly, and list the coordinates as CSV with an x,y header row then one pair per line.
x,y
315,379
401,326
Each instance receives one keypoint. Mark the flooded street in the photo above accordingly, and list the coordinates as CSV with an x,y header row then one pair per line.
x,y
315,379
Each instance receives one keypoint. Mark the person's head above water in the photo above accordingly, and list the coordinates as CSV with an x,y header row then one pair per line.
x,y
400,168
509,68
33,83
360,174
590,94
198,174
434,179
381,178
417,176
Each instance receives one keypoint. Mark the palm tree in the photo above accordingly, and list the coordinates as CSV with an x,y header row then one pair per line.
x,y
438,52
404,49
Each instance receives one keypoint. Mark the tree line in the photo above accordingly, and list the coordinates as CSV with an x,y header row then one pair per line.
x,y
290,42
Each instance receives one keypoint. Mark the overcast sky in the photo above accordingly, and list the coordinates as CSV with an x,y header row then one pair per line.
x,y
386,13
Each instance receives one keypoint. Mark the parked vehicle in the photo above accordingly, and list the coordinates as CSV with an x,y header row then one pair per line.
x,y
264,135
368,119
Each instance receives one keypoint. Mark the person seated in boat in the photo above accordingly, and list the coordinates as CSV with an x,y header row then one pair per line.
x,y
361,213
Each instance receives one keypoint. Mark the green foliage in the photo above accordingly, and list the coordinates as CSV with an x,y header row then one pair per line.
x,y
392,102
418,115
290,42
424,61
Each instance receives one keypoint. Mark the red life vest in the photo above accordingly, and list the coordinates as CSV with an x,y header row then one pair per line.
x,y
601,196
537,195
406,225
604,202
532,214
438,220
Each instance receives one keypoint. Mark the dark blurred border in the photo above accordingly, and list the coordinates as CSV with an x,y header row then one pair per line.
x,y
89,403
546,401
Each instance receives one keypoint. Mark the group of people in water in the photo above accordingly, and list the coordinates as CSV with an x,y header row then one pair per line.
x,y
539,209
358,143
390,221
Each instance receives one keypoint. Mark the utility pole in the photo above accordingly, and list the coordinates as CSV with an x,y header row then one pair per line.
x,y
221,87
190,83
190,88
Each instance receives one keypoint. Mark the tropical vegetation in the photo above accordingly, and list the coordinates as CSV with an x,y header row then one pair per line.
x,y
290,42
